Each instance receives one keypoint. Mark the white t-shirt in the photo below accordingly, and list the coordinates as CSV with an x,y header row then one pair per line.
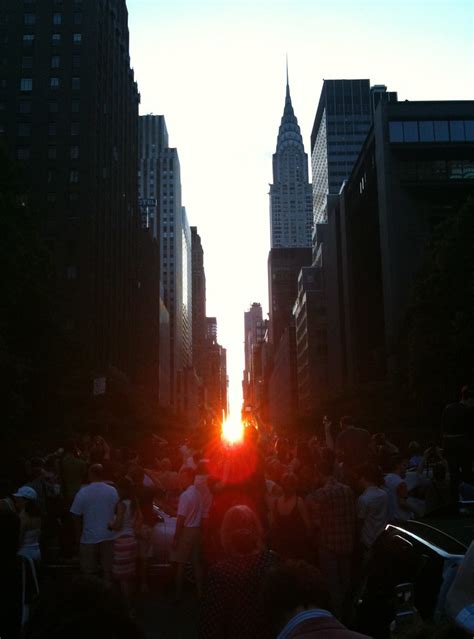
x,y
395,486
201,484
96,503
372,508
190,507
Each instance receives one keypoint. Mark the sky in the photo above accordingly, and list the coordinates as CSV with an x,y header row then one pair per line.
x,y
216,70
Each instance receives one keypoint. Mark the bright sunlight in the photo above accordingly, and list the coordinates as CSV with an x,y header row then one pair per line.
x,y
232,430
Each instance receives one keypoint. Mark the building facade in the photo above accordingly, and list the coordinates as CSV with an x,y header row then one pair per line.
x,y
69,116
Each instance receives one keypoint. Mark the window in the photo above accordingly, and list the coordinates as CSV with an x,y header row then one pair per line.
x,y
23,153
77,38
74,153
56,39
28,39
76,83
75,105
55,60
469,130
52,130
426,131
74,128
396,131
26,84
29,18
54,83
456,128
52,152
77,18
24,129
27,62
74,176
410,131
441,131
53,107
56,18
25,106
76,61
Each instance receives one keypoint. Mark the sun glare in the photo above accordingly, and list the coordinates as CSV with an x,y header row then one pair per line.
x,y
232,430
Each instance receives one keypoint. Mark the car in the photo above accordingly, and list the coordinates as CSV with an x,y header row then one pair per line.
x,y
162,538
418,555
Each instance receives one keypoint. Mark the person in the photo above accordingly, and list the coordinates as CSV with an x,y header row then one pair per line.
x,y
297,603
232,603
352,443
372,506
438,494
457,424
397,490
26,502
125,544
93,508
415,456
72,472
290,525
186,541
334,517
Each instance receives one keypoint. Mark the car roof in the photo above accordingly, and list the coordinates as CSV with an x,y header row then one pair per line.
x,y
433,536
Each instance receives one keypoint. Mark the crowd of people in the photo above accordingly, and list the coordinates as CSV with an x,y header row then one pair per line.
x,y
279,532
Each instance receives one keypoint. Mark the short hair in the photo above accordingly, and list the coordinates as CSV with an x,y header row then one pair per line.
x,y
96,470
467,392
414,447
372,473
293,585
241,532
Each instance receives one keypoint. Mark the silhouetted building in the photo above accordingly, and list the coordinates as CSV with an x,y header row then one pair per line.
x,y
416,169
284,266
198,300
253,385
215,374
291,217
282,383
311,341
69,114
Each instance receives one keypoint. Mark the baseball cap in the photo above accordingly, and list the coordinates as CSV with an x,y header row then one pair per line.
x,y
26,492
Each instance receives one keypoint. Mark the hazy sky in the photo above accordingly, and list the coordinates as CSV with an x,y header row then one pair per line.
x,y
216,70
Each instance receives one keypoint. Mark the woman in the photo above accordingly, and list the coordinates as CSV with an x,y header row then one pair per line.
x,y
290,523
125,545
26,503
232,604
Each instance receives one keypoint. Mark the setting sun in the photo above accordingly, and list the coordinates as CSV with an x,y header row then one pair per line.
x,y
232,430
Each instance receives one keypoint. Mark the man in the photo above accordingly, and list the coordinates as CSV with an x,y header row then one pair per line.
x,y
457,424
296,602
186,542
333,513
93,509
372,506
397,490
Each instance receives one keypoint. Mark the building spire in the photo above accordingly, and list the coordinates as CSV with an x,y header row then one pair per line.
x,y
287,79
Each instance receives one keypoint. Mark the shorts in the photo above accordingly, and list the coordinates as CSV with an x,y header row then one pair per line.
x,y
188,546
125,557
94,557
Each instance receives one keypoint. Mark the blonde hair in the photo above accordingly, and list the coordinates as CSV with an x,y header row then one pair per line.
x,y
241,532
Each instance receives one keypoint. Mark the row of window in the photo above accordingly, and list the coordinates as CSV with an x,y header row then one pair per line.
x,y
431,131
30,19
26,84
56,39
27,61
24,153
25,128
419,171
25,106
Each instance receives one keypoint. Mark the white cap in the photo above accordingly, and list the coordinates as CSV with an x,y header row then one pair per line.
x,y
27,493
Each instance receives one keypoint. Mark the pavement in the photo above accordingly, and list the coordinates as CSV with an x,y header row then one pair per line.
x,y
161,618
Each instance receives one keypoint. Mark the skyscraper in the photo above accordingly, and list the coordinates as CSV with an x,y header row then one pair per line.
x,y
290,194
64,66
160,180
342,121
